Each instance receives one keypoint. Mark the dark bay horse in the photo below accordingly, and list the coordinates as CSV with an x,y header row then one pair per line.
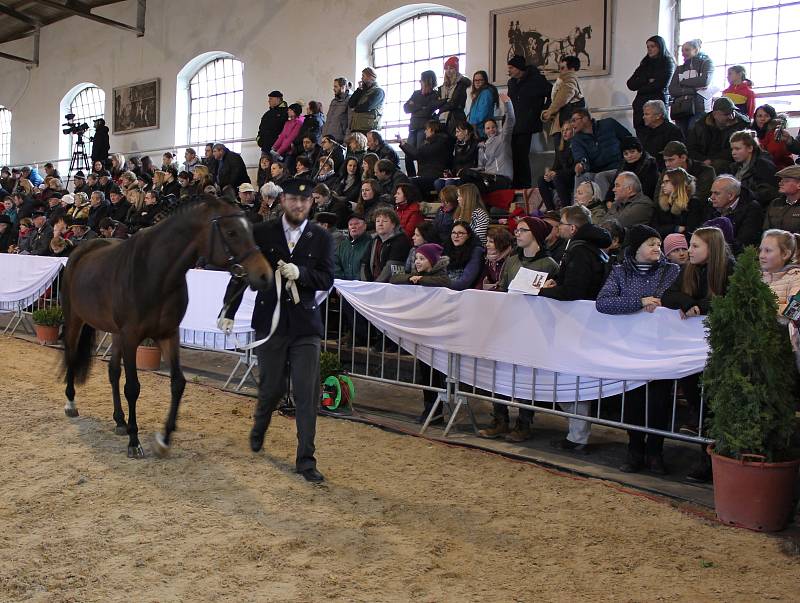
x,y
137,288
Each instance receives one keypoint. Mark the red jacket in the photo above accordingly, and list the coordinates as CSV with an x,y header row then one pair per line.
x,y
410,217
781,156
743,97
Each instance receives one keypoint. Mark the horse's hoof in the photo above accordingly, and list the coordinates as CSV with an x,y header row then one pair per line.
x,y
160,447
121,430
136,452
70,411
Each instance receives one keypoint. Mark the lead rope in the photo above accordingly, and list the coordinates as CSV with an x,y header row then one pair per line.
x,y
276,313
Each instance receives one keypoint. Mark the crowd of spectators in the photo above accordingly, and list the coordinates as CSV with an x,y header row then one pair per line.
x,y
635,220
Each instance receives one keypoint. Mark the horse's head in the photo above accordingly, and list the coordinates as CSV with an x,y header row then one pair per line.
x,y
588,31
230,245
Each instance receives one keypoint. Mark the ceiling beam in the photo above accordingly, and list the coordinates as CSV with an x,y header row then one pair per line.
x,y
34,62
12,12
73,10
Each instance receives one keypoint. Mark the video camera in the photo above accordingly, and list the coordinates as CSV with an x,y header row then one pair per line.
x,y
72,127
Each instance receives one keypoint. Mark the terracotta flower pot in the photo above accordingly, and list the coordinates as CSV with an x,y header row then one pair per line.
x,y
46,334
148,358
752,493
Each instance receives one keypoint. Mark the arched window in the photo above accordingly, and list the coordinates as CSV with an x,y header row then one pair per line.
x,y
412,46
87,105
216,96
5,136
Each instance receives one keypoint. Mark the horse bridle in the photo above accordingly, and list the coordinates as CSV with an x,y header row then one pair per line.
x,y
233,262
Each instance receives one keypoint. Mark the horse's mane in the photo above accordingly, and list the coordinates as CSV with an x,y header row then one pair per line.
x,y
180,209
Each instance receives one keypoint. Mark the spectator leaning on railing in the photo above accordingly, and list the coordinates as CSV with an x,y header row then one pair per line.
x,y
638,284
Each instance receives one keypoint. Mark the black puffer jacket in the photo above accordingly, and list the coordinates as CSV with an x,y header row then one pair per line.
x,y
465,155
433,155
583,267
271,125
651,80
530,95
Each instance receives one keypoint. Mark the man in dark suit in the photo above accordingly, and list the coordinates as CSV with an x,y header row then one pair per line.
x,y
231,170
303,253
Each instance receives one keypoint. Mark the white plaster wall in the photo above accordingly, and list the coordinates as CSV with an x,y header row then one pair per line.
x,y
296,46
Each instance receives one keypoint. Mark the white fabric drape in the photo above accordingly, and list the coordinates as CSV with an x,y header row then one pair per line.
x,y
24,278
199,325
568,338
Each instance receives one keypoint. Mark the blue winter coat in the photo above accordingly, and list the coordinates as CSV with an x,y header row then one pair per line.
x,y
626,286
600,150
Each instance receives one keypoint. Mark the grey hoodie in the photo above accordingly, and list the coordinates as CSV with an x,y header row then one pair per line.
x,y
494,155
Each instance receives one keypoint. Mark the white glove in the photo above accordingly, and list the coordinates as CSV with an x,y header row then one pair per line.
x,y
225,325
290,272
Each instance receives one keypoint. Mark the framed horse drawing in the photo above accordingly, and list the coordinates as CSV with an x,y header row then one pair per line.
x,y
546,31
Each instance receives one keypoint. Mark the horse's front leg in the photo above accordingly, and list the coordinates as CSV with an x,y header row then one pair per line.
x,y
132,389
170,348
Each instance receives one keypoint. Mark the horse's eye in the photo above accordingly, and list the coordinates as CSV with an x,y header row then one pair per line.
x,y
231,233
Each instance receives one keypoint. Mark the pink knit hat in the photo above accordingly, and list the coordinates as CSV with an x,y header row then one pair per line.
x,y
674,241
431,251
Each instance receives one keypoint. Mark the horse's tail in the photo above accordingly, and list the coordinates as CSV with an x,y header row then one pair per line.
x,y
78,352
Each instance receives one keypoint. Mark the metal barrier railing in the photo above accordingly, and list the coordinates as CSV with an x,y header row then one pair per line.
x,y
22,312
367,353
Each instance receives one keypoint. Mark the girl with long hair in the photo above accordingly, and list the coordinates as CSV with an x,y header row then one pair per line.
x,y
472,210
704,277
740,91
484,99
466,256
753,167
651,78
678,209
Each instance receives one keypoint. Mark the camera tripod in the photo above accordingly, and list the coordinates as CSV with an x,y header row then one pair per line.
x,y
79,161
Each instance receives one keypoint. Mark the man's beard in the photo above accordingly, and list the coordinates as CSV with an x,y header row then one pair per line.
x,y
294,221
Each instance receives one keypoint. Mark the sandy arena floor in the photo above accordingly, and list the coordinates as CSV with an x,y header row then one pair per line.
x,y
399,519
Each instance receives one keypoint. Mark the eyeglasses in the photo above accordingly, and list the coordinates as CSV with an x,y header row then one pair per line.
x,y
458,234
519,230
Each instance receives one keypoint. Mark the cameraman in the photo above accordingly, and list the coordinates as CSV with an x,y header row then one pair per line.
x,y
100,142
366,103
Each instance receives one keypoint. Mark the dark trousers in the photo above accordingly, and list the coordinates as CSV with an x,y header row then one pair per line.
x,y
658,404
562,183
520,156
302,356
415,139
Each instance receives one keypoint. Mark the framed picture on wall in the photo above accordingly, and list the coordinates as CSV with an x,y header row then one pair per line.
x,y
546,31
136,106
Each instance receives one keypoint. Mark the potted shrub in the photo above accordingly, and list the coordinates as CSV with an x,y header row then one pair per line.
x,y
46,323
148,355
749,380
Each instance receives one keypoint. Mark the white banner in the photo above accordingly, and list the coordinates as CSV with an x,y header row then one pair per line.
x,y
24,278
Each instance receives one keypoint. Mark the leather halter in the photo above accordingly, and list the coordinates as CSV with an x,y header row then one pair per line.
x,y
233,262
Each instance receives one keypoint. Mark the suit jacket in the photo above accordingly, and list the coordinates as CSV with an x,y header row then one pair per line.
x,y
314,256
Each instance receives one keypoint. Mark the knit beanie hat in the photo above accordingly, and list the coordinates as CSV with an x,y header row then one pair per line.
x,y
431,251
539,229
631,142
638,234
297,108
725,225
451,62
518,61
674,241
